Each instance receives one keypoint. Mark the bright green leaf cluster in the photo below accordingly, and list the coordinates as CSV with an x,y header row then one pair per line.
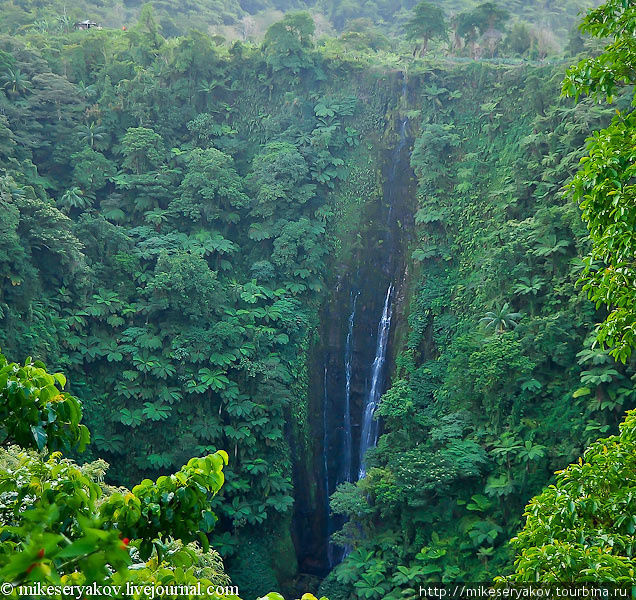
x,y
583,527
176,505
35,412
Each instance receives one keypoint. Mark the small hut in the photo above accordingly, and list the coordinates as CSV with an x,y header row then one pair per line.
x,y
84,25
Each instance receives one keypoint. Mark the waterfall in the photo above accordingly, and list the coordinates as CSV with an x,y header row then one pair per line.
x,y
363,388
397,153
325,438
369,435
401,143
347,466
370,426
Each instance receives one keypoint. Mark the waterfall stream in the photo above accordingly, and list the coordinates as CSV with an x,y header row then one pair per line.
x,y
370,426
345,472
369,435
325,441
347,464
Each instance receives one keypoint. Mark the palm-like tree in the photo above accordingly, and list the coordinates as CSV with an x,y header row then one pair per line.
x,y
74,198
208,87
42,25
63,22
14,82
501,318
549,245
303,138
88,91
156,217
111,208
507,445
91,134
529,285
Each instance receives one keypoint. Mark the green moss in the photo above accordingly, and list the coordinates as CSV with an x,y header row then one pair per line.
x,y
282,551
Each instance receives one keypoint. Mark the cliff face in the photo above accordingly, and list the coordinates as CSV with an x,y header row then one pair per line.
x,y
454,204
368,268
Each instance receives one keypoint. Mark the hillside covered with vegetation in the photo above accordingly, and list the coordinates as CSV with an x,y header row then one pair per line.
x,y
377,22
344,266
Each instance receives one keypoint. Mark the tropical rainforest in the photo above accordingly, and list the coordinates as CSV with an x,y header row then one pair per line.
x,y
316,297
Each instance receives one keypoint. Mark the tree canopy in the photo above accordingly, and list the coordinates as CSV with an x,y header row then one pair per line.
x,y
582,528
426,23
603,187
200,233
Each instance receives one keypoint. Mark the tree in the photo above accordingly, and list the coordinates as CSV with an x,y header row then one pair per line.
x,y
65,527
14,82
211,188
501,318
92,170
44,232
519,39
604,186
279,180
488,17
145,36
287,42
35,412
529,285
485,20
426,23
581,529
91,134
143,149
466,29
55,99
62,525
73,198
186,284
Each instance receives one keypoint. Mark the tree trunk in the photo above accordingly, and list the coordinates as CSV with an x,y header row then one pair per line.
x,y
423,47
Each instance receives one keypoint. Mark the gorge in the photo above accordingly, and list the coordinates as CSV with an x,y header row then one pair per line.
x,y
355,364
353,271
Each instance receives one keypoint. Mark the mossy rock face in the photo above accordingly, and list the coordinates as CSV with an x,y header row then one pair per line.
x,y
282,554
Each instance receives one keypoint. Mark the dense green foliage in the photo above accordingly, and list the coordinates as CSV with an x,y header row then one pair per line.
x,y
35,412
604,186
163,242
583,527
171,212
61,527
427,22
499,383
249,19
